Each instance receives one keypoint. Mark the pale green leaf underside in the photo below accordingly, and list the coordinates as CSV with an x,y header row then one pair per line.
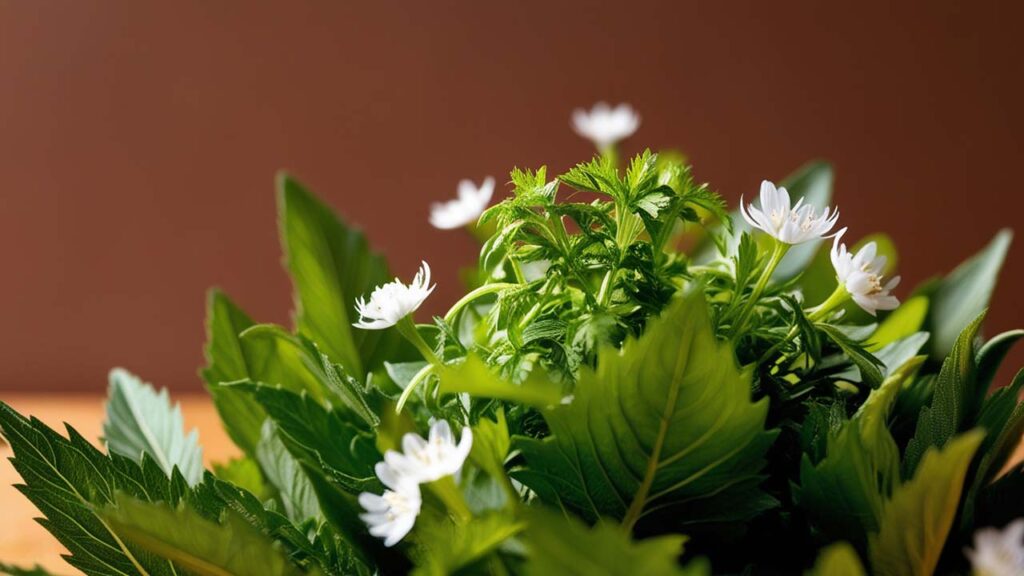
x,y
141,420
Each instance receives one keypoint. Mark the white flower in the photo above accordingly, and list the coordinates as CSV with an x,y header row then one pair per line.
x,y
428,460
792,225
392,515
465,209
604,125
393,301
861,273
998,552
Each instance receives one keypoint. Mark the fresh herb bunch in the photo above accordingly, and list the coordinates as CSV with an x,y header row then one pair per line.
x,y
637,382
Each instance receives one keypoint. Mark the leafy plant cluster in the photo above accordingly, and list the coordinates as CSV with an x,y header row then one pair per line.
x,y
649,388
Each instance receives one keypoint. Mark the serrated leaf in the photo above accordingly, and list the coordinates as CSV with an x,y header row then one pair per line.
x,y
331,265
245,473
286,475
68,478
917,519
953,402
960,297
320,436
141,420
562,545
665,424
11,570
196,544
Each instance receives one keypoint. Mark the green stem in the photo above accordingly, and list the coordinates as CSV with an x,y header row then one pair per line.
x,y
412,385
484,290
407,329
838,297
778,252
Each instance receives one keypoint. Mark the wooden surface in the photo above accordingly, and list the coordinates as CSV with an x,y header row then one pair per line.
x,y
22,540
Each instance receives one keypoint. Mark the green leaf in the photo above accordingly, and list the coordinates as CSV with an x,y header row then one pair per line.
x,y
140,421
491,444
285,474
562,545
245,473
960,297
844,494
839,559
331,265
917,519
991,356
868,365
227,361
954,401
447,547
664,425
67,479
900,323
320,436
196,544
475,378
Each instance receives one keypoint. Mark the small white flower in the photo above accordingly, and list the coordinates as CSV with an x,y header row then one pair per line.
x,y
392,515
466,208
998,552
431,459
393,301
861,273
792,225
604,125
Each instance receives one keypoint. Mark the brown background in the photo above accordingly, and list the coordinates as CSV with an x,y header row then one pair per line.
x,y
138,142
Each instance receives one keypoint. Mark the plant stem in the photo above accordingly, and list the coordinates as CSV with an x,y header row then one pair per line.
x,y
477,293
407,329
838,297
412,385
778,252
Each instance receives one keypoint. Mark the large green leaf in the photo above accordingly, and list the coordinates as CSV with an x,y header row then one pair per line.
x,y
917,519
991,356
954,402
199,546
475,378
227,361
960,297
140,421
562,545
68,478
446,547
666,424
331,265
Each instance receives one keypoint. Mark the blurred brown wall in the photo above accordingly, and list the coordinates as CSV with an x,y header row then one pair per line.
x,y
138,140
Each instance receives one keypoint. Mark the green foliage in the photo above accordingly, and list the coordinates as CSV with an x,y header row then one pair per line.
x,y
331,265
665,425
9,570
917,519
624,395
562,545
140,421
195,544
960,297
